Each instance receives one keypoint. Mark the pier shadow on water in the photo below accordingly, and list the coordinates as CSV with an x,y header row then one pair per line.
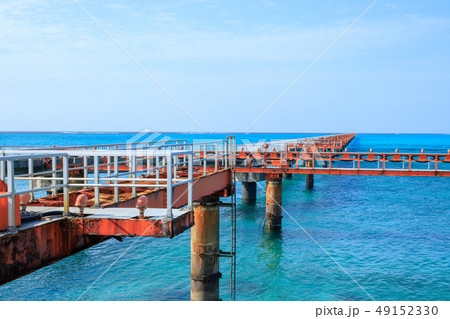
x,y
251,211
271,251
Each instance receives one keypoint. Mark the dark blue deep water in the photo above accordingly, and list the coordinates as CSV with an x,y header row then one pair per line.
x,y
391,234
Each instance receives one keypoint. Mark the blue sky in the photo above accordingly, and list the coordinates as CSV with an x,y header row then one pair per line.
x,y
225,62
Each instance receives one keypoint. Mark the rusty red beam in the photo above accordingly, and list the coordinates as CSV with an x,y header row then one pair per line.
x,y
132,227
338,156
202,186
294,161
342,171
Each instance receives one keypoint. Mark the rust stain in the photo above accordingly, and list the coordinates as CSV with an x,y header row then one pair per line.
x,y
33,248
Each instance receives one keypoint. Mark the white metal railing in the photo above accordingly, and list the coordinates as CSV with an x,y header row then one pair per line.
x,y
170,163
216,152
162,156
11,192
204,152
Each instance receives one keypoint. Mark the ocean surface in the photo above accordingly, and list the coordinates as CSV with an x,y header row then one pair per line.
x,y
391,234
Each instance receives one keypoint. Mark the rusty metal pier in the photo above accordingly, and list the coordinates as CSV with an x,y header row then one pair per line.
x,y
324,155
161,189
112,182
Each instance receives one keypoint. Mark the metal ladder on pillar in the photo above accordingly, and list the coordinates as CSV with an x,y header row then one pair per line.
x,y
232,146
231,142
233,242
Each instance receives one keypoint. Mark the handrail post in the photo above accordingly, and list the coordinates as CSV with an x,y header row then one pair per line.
x,y
191,179
54,168
204,159
85,170
222,157
157,169
108,163
2,169
116,172
133,175
227,154
11,198
65,160
31,174
216,163
96,181
175,164
169,214
233,151
148,162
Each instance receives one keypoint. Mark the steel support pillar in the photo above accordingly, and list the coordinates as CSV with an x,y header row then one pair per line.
x,y
309,177
205,250
249,191
273,201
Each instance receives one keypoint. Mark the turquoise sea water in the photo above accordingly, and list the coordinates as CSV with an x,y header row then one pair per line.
x,y
390,233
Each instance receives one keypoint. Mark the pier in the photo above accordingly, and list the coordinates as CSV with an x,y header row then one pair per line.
x,y
161,189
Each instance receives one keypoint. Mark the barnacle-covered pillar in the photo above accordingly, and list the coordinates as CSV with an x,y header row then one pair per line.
x,y
273,201
205,250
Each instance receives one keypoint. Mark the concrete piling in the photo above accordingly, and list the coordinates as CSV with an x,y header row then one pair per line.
x,y
249,191
249,185
205,250
310,181
273,201
309,177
